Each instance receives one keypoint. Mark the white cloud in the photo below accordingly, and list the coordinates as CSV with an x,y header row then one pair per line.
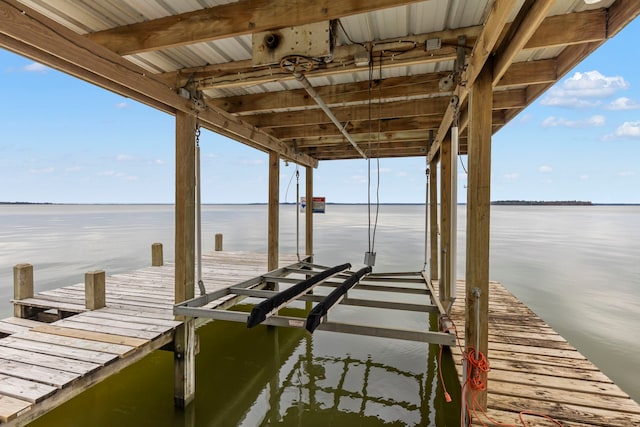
x,y
402,174
568,102
359,179
43,170
385,170
253,162
545,169
584,177
626,130
122,105
159,162
592,121
35,67
626,173
576,91
124,157
623,103
73,169
116,174
512,176
526,118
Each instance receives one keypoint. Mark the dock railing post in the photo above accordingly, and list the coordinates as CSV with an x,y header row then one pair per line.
x,y
94,289
22,287
218,245
157,258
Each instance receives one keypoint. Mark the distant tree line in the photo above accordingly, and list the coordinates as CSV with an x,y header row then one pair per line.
x,y
543,202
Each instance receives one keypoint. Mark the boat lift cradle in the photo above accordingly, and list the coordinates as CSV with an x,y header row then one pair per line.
x,y
303,277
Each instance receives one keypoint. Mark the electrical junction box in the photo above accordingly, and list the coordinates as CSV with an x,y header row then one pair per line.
x,y
312,40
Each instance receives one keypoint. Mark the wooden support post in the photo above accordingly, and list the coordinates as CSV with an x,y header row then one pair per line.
x,y
94,289
22,288
218,246
157,258
433,218
274,210
445,220
478,209
309,211
184,341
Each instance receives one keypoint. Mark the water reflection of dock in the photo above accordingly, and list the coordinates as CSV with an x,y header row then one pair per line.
x,y
348,390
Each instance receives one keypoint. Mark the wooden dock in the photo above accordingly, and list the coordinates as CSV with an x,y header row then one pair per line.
x,y
534,369
43,365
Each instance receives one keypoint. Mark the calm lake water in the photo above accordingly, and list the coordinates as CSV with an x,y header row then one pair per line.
x,y
577,267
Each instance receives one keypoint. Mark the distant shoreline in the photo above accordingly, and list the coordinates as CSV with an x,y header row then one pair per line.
x,y
542,203
494,203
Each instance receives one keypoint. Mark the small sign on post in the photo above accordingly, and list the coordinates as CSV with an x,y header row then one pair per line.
x,y
317,205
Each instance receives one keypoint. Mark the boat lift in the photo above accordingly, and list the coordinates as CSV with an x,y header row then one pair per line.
x,y
300,280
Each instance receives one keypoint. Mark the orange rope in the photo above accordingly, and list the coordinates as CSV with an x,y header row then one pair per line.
x,y
447,396
477,371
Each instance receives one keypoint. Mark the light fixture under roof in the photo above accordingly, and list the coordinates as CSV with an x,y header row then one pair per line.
x,y
592,1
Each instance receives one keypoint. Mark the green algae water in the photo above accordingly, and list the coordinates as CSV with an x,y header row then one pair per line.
x,y
575,266
279,377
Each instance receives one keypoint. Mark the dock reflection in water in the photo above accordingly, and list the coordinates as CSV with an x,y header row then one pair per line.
x,y
267,376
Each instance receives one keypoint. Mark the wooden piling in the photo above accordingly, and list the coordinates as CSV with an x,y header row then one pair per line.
x,y
157,258
22,287
218,242
274,210
309,211
94,289
478,213
433,218
445,221
184,351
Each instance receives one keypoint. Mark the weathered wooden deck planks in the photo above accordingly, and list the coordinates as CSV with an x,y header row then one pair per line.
x,y
534,369
45,364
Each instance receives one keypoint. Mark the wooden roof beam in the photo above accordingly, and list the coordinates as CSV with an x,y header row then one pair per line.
x,y
521,35
74,52
315,122
519,74
351,93
616,17
229,20
361,127
569,29
496,20
388,110
261,75
238,73
561,30
620,14
528,73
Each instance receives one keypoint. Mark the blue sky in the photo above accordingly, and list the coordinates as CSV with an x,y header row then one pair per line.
x,y
66,141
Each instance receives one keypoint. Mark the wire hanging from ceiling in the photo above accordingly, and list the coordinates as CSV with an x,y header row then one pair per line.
x,y
372,230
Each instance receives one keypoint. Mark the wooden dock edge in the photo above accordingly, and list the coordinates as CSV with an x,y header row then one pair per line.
x,y
536,370
61,396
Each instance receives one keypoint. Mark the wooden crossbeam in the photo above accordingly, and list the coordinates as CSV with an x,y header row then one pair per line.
x,y
229,20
